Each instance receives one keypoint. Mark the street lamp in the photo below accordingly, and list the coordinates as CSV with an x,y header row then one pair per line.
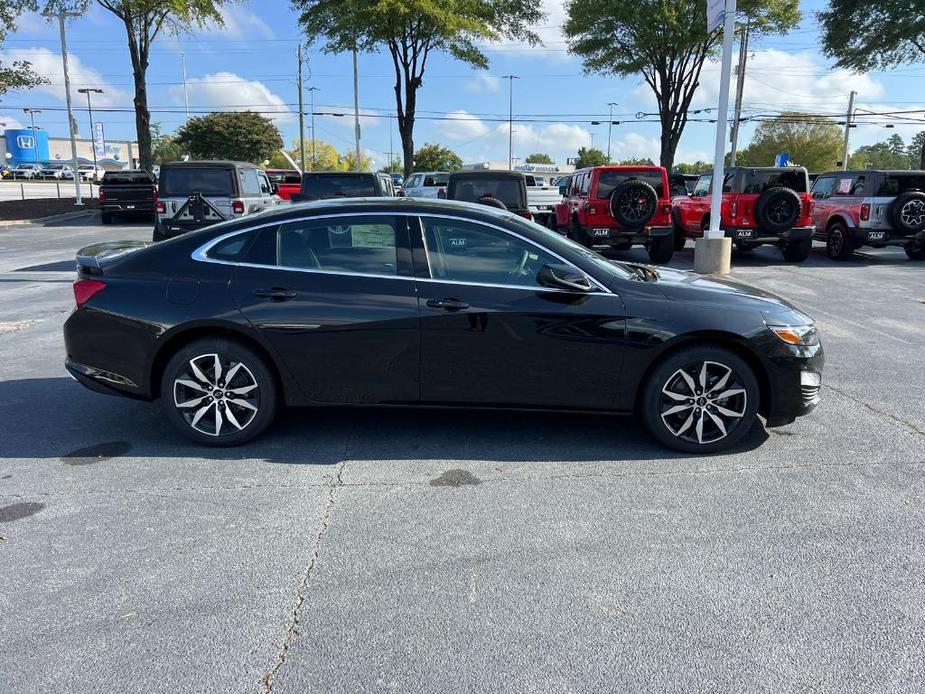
x,y
35,139
610,128
311,96
88,91
510,120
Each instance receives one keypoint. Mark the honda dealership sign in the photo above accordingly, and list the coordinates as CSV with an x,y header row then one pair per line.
x,y
99,140
25,141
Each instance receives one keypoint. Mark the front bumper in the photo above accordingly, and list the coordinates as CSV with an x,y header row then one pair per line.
x,y
796,377
758,236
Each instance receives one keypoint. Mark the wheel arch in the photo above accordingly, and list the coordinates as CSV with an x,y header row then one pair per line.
x,y
712,338
839,217
179,339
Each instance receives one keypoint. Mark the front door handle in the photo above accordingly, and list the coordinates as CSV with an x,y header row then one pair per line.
x,y
275,294
447,304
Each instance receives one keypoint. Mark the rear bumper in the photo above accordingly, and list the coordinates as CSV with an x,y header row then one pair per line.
x,y
758,236
608,236
102,381
885,237
146,206
168,228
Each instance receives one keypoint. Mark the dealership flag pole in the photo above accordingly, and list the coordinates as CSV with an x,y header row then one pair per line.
x,y
713,252
67,93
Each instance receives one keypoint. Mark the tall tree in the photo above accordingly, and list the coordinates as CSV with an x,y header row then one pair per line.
x,y
539,158
19,73
881,155
916,151
411,30
433,157
590,156
144,20
810,142
238,135
666,41
890,32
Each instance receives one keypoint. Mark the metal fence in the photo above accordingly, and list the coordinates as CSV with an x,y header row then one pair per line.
x,y
31,190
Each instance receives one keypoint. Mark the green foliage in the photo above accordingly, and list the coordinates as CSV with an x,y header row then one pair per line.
x,y
590,156
916,151
395,167
18,74
666,41
811,143
241,136
434,157
539,158
867,35
635,161
889,154
695,168
164,147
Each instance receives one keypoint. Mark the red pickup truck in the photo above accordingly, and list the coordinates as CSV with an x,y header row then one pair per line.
x,y
760,205
288,181
618,207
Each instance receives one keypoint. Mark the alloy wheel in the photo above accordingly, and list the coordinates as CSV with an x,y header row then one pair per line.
x,y
216,395
633,205
781,212
836,240
913,213
703,403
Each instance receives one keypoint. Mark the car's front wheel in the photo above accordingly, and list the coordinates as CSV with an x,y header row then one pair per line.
x,y
219,392
838,244
700,400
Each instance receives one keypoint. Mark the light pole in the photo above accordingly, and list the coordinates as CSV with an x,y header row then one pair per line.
x,y
311,95
62,15
848,125
610,128
510,120
35,139
88,91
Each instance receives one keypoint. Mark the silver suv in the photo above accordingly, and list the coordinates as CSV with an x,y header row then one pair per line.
x,y
195,194
426,184
870,208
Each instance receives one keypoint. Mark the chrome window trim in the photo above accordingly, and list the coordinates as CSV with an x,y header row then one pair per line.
x,y
200,254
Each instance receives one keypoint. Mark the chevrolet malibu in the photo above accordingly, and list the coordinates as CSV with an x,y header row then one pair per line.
x,y
373,302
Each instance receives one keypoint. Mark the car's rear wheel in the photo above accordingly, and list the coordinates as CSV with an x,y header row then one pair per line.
x,y
838,244
700,400
660,249
915,251
677,233
797,251
744,247
219,392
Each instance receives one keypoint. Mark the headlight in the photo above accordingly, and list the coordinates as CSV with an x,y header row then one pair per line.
x,y
802,335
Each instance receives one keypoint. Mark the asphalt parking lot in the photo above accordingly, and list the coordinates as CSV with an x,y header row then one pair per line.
x,y
367,550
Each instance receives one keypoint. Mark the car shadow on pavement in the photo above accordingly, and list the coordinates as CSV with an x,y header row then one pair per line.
x,y
87,424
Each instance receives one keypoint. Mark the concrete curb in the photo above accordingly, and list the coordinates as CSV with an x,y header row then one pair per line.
x,y
51,218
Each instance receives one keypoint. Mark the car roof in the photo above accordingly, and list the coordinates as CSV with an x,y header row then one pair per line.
x,y
224,163
889,172
487,174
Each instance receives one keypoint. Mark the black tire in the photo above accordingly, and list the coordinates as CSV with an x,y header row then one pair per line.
x,y
238,423
907,212
656,406
778,209
633,203
915,250
677,232
660,249
797,251
839,244
578,235
106,217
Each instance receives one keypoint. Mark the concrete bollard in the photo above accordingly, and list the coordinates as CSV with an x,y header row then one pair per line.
x,y
713,256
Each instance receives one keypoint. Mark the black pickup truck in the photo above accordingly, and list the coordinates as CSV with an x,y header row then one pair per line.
x,y
131,192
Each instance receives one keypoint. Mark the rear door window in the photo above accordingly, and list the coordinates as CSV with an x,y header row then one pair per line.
x,y
189,180
608,180
361,245
250,184
823,187
758,181
896,184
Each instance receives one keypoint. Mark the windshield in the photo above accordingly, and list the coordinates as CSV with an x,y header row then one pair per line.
x,y
563,246
189,180
507,190
611,179
341,186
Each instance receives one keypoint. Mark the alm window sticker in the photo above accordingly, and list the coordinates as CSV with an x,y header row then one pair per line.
x,y
844,185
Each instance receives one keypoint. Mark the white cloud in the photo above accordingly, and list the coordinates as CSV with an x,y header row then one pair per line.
x,y
368,118
483,83
870,133
240,23
634,145
550,33
461,125
226,91
48,63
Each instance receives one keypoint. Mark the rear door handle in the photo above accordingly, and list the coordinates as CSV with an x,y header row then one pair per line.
x,y
447,304
276,293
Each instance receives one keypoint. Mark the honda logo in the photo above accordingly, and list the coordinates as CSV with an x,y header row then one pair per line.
x,y
25,141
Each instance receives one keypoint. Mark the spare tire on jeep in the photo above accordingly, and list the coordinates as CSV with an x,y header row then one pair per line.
x,y
778,209
908,212
632,203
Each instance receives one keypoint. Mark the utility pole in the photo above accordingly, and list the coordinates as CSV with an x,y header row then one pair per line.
x,y
311,92
88,91
301,112
35,139
510,120
185,93
610,128
62,15
848,126
740,86
356,107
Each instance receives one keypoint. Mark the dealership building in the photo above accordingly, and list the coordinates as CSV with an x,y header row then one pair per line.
x,y
27,146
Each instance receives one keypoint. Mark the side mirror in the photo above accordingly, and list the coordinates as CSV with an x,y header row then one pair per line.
x,y
562,190
564,277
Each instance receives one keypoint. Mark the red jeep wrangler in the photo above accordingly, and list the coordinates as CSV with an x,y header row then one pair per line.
x,y
759,206
288,181
618,207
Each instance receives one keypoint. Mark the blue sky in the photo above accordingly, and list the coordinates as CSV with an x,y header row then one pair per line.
x,y
250,63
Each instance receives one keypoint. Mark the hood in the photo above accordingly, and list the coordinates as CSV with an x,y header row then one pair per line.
x,y
683,285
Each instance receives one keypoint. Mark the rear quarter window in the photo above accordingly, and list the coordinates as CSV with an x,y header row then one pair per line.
x,y
896,184
232,249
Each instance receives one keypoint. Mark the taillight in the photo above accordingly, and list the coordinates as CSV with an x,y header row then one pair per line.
x,y
154,192
810,207
734,209
865,211
160,207
84,290
237,207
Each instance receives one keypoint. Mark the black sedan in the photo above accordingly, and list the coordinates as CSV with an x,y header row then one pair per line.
x,y
429,303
